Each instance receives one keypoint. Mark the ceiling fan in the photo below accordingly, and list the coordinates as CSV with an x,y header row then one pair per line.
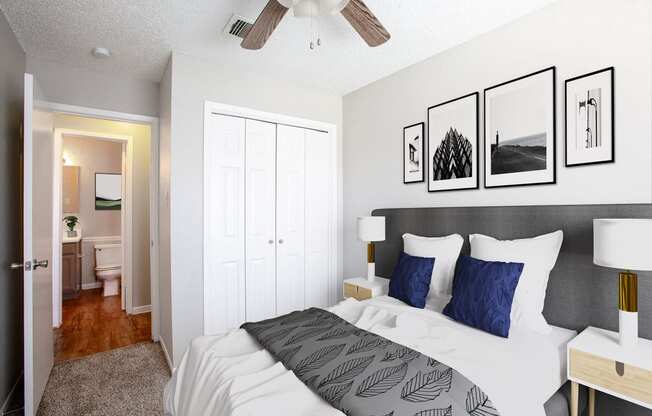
x,y
354,11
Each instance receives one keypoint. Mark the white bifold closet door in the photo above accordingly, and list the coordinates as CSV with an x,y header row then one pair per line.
x,y
319,194
224,224
290,219
260,222
269,220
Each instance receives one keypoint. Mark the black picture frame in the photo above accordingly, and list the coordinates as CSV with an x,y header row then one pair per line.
x,y
476,144
553,104
612,100
423,152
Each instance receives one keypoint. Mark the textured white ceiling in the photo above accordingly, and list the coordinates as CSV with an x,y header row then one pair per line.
x,y
141,34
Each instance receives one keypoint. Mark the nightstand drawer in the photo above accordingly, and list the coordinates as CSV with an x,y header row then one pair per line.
x,y
602,372
357,292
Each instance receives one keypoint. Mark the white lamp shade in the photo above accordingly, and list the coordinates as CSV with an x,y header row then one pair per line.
x,y
624,244
371,229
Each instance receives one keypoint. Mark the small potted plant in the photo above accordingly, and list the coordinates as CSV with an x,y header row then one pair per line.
x,y
71,222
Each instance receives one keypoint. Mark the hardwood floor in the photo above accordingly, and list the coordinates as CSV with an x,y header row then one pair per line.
x,y
93,323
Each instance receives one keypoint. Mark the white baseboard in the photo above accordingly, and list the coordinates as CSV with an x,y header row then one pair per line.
x,y
141,309
165,353
92,285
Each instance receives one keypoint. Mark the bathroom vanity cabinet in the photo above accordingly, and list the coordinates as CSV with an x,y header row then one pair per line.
x,y
71,269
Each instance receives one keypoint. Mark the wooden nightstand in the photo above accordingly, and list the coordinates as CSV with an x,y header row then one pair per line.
x,y
596,360
360,288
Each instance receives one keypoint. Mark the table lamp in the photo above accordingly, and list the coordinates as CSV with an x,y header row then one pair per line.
x,y
371,229
624,244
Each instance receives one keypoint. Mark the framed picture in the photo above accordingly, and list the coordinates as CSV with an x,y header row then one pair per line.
x,y
519,131
413,151
108,191
453,130
590,132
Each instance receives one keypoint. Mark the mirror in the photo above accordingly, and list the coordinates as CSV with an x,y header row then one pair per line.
x,y
108,191
70,194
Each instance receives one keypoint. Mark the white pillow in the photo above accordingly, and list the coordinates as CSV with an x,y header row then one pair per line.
x,y
539,255
445,250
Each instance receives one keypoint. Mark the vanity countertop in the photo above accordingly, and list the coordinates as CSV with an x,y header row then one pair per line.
x,y
67,239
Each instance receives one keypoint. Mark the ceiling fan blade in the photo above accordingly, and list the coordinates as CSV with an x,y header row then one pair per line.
x,y
265,24
365,23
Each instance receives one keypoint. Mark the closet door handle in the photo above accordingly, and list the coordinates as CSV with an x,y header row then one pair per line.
x,y
270,241
280,241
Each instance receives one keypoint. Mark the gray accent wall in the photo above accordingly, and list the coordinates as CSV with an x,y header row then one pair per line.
x,y
12,69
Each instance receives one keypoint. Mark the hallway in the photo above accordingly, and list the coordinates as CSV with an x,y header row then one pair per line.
x,y
93,323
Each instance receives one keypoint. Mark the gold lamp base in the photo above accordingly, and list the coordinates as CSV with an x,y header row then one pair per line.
x,y
628,305
371,261
628,292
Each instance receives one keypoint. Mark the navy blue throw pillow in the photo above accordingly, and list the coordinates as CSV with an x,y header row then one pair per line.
x,y
411,279
483,292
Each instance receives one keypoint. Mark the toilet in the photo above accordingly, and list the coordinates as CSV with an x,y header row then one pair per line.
x,y
108,267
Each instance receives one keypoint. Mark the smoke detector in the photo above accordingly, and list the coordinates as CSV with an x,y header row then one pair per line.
x,y
101,53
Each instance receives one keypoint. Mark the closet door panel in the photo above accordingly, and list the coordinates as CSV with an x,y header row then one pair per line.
x,y
290,219
319,176
224,232
260,221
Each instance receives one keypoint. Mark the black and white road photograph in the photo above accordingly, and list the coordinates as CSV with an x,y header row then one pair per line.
x,y
453,144
519,131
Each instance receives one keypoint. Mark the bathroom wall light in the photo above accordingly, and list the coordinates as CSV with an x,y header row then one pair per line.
x,y
101,53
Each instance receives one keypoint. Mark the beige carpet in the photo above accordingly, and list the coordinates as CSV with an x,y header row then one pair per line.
x,y
125,381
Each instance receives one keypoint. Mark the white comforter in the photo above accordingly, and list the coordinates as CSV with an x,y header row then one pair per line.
x,y
232,375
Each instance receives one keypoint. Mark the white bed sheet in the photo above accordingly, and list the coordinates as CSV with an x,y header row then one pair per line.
x,y
232,375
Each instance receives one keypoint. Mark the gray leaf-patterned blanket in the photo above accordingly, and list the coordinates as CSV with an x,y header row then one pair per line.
x,y
364,374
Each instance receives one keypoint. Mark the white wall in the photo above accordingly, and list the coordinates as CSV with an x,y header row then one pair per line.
x,y
194,81
164,277
66,84
578,36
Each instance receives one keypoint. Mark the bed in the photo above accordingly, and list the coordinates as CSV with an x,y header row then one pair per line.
x,y
233,374
523,374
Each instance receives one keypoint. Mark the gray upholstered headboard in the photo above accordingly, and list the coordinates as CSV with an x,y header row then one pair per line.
x,y
579,293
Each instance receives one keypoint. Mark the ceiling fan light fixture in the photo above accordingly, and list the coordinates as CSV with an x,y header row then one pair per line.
x,y
314,8
288,4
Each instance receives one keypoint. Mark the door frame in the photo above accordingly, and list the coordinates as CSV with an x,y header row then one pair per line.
x,y
153,123
211,107
126,215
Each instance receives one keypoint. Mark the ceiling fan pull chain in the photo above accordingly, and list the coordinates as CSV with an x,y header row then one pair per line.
x,y
318,35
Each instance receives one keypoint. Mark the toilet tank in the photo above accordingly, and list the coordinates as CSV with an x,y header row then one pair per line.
x,y
108,255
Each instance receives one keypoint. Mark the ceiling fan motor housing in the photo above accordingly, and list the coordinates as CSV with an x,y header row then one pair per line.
x,y
314,8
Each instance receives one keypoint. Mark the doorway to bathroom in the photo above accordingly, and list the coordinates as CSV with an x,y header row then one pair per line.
x,y
102,244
